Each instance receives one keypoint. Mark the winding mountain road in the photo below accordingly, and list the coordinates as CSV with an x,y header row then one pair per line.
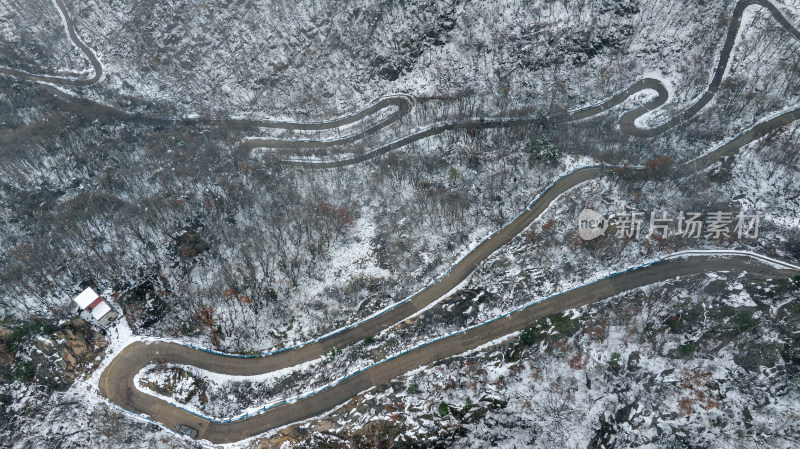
x,y
117,380
69,25
403,104
628,123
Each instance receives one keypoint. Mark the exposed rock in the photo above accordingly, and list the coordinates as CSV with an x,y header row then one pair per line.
x,y
56,359
45,345
377,354
494,403
377,434
291,434
68,361
74,342
99,340
80,323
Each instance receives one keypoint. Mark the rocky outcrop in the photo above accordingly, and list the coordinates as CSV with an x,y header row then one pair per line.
x,y
78,345
71,351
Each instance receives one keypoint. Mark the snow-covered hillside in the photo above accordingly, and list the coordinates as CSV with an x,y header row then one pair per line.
x,y
141,185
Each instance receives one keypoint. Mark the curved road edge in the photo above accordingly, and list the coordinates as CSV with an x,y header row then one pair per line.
x,y
627,120
311,350
137,355
69,25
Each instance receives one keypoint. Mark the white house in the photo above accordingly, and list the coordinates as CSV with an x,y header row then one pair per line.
x,y
93,303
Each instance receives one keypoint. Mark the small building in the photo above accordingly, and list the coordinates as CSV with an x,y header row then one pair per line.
x,y
93,303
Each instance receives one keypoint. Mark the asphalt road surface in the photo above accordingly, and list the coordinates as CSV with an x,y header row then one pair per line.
x,y
117,385
403,104
69,24
116,382
627,121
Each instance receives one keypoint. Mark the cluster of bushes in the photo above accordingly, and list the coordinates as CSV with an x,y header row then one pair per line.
x,y
541,149
13,367
21,333
555,325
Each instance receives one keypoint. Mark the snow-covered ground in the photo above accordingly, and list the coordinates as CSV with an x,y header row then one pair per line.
x,y
283,255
